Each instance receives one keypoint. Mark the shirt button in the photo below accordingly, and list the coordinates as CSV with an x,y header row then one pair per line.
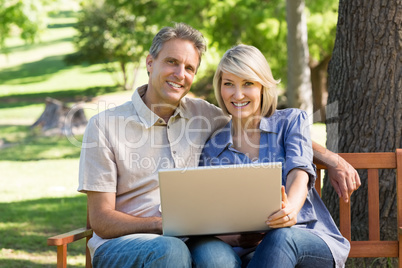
x,y
160,121
174,152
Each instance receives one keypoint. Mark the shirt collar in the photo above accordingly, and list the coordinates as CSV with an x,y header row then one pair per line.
x,y
149,118
222,139
224,136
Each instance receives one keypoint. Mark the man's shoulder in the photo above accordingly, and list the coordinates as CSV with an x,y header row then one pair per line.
x,y
117,112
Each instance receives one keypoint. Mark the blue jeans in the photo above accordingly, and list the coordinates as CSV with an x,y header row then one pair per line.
x,y
290,247
150,250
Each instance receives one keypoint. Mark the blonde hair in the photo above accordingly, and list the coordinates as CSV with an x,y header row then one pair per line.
x,y
248,63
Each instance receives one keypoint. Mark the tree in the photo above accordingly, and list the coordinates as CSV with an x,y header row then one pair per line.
x,y
25,17
112,35
227,23
299,90
60,119
321,26
365,93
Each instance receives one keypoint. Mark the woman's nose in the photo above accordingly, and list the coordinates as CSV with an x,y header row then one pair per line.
x,y
238,93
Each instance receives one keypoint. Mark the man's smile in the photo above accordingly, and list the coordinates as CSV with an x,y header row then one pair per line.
x,y
175,85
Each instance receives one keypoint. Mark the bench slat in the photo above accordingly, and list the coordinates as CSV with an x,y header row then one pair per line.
x,y
373,204
371,249
344,219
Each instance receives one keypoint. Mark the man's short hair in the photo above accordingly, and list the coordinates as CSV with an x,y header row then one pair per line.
x,y
179,31
248,63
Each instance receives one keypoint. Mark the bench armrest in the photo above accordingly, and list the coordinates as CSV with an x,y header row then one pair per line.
x,y
69,237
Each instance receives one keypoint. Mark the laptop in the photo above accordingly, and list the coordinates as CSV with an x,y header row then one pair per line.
x,y
219,199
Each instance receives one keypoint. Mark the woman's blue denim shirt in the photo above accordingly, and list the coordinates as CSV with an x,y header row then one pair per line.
x,y
285,138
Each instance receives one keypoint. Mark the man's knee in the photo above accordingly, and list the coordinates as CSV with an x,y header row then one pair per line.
x,y
169,252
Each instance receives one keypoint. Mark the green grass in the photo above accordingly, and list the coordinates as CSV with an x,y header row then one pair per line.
x,y
39,175
38,199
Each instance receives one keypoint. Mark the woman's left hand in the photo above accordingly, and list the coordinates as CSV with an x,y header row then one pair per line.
x,y
285,217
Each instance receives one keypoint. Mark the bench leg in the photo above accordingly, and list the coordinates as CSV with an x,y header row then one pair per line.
x,y
62,256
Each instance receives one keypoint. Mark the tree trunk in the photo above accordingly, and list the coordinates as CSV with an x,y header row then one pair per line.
x,y
365,97
59,119
319,74
299,90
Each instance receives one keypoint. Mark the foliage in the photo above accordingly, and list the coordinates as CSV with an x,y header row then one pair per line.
x,y
321,25
254,22
23,16
107,35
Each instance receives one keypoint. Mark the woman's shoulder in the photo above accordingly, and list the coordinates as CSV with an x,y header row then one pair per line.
x,y
283,118
290,113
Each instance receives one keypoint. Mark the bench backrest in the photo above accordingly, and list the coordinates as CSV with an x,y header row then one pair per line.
x,y
373,247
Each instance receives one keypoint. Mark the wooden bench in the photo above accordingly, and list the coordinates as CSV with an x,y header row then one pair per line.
x,y
371,248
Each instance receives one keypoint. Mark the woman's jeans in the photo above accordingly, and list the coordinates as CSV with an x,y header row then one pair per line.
x,y
290,247
150,250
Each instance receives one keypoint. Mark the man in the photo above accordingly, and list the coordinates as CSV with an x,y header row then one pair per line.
x,y
123,149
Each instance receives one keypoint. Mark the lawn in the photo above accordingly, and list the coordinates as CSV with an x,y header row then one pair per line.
x,y
39,174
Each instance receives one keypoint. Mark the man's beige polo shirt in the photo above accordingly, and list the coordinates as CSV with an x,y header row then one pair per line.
x,y
124,147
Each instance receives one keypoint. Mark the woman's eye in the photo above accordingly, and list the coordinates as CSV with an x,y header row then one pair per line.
x,y
227,84
249,83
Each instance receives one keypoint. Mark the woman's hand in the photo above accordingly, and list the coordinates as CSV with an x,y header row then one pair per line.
x,y
292,201
285,217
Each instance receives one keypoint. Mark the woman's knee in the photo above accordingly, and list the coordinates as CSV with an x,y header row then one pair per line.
x,y
212,252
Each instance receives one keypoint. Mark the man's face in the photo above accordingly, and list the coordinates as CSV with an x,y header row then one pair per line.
x,y
172,72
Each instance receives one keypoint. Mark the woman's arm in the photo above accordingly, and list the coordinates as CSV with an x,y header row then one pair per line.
x,y
292,200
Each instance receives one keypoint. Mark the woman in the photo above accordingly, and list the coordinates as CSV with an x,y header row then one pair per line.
x,y
245,89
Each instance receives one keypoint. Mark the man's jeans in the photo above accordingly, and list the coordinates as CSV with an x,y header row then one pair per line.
x,y
150,250
290,247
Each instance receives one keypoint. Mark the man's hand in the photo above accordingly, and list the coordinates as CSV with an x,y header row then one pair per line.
x,y
343,177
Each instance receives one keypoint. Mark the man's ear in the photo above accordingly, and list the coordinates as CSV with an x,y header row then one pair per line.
x,y
149,62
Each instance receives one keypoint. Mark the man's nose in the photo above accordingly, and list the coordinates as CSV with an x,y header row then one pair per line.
x,y
179,72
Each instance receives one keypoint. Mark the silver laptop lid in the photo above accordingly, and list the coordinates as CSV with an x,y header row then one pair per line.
x,y
219,199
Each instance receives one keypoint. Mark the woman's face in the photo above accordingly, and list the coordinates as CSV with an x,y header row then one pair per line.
x,y
241,97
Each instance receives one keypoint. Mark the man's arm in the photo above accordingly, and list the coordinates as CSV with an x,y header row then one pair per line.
x,y
107,222
344,178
